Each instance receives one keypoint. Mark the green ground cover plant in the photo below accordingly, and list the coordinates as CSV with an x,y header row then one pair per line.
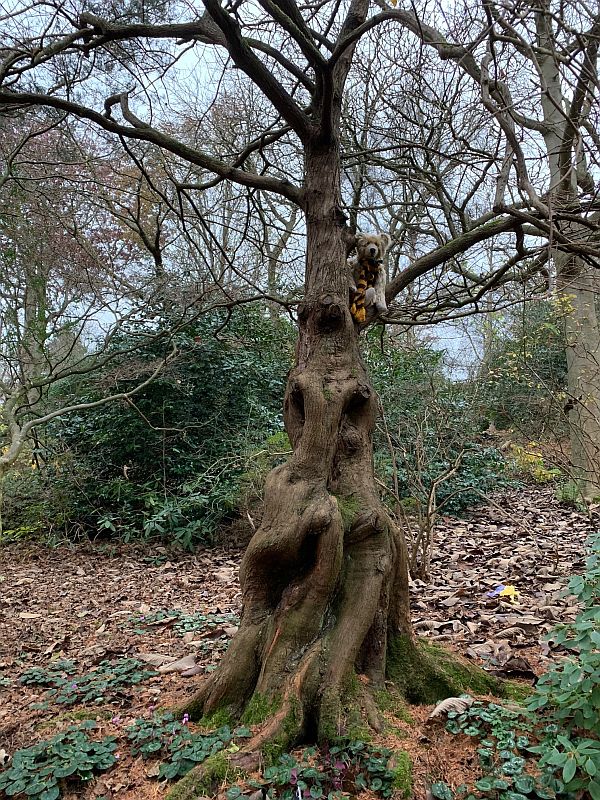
x,y
550,748
185,622
179,748
346,767
67,687
40,771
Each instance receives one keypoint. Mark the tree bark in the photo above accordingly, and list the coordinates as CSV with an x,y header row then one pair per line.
x,y
324,580
577,281
578,284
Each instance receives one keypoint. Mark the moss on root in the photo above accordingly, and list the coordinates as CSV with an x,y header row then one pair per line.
x,y
204,780
517,691
346,714
330,715
349,508
401,766
392,700
259,708
425,672
217,719
287,737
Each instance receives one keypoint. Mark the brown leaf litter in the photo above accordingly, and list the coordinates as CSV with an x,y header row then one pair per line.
x,y
91,603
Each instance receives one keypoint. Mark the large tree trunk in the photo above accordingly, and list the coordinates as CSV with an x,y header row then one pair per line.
x,y
324,579
578,285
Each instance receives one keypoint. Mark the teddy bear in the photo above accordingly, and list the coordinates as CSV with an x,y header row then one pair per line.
x,y
367,274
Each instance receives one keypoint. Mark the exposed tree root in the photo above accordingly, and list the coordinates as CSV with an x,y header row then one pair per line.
x,y
425,672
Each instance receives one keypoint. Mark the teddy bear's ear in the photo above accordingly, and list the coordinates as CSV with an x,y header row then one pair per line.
x,y
361,238
386,239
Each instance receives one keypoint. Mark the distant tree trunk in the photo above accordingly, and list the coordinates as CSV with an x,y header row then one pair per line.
x,y
578,288
324,579
577,281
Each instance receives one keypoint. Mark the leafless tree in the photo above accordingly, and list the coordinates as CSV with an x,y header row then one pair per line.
x,y
324,579
499,109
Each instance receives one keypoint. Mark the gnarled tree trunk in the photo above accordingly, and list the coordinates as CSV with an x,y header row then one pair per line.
x,y
324,579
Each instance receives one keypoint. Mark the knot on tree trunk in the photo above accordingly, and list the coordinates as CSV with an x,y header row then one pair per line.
x,y
366,524
351,439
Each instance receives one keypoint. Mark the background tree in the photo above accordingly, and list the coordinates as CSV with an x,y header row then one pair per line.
x,y
65,274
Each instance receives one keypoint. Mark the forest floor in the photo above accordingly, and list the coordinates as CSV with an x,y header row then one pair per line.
x,y
91,604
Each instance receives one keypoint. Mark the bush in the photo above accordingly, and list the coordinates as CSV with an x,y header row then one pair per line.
x,y
569,693
524,378
169,463
529,462
563,715
431,423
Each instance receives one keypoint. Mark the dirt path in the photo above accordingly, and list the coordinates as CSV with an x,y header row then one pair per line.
x,y
92,604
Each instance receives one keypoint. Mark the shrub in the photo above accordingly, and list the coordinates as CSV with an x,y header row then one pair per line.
x,y
431,423
169,463
563,714
524,376
529,462
569,693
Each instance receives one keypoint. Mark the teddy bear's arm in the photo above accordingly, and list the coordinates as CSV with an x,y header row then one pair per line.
x,y
352,264
379,287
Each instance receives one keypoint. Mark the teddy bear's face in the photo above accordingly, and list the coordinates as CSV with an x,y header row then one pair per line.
x,y
372,245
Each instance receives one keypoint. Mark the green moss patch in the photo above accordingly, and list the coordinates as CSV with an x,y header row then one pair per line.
x,y
401,765
260,708
217,719
288,736
517,691
349,508
204,780
426,673
391,700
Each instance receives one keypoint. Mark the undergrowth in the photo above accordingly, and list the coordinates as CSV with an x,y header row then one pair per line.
x,y
176,745
40,771
68,688
550,748
345,768
184,622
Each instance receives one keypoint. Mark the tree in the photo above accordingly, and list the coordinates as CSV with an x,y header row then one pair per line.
x,y
62,281
533,74
324,579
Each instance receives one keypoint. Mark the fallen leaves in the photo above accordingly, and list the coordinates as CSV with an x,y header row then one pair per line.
x,y
457,704
90,606
524,541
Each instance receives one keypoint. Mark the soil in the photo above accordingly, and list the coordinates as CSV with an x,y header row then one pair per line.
x,y
106,601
